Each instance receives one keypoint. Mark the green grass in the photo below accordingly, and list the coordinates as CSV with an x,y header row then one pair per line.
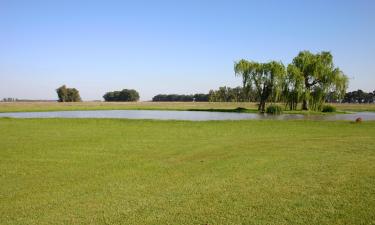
x,y
108,171
246,107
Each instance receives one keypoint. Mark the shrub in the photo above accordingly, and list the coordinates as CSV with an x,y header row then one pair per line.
x,y
274,109
328,108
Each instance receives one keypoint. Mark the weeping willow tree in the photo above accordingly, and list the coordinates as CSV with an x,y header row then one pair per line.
x,y
334,83
242,68
292,87
319,78
266,78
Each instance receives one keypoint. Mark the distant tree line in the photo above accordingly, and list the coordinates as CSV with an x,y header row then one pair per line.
x,y
223,94
126,95
359,96
228,94
180,98
240,94
10,99
68,94
25,100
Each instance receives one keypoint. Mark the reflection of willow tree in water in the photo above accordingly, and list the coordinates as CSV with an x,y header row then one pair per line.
x,y
310,79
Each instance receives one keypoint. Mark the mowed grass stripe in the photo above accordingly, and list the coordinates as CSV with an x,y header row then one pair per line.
x,y
111,171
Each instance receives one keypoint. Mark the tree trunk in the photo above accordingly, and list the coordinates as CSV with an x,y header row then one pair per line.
x,y
263,99
262,106
305,105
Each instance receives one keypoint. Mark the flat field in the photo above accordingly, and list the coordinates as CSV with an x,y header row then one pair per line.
x,y
224,106
113,171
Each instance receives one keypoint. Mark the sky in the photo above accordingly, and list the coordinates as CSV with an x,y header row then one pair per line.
x,y
164,47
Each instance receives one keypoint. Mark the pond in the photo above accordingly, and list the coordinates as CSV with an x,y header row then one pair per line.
x,y
184,115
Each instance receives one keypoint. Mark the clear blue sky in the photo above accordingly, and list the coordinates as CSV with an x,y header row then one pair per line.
x,y
172,46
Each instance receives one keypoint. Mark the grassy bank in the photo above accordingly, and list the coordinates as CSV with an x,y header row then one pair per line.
x,y
355,107
90,171
58,106
197,106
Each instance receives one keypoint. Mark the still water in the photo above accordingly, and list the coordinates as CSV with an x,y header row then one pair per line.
x,y
184,115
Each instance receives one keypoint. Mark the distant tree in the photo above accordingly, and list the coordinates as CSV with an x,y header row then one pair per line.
x,y
369,98
236,94
242,69
359,96
68,94
73,95
180,98
62,93
320,77
126,95
200,97
10,99
223,94
266,78
332,98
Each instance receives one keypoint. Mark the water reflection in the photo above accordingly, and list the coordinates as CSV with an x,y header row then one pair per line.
x,y
184,115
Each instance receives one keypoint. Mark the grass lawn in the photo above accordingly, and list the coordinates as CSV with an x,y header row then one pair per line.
x,y
201,106
110,171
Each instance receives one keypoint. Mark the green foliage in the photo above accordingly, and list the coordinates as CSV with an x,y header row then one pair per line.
x,y
328,108
292,87
310,79
228,94
359,96
274,109
68,94
180,98
266,78
319,77
126,95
